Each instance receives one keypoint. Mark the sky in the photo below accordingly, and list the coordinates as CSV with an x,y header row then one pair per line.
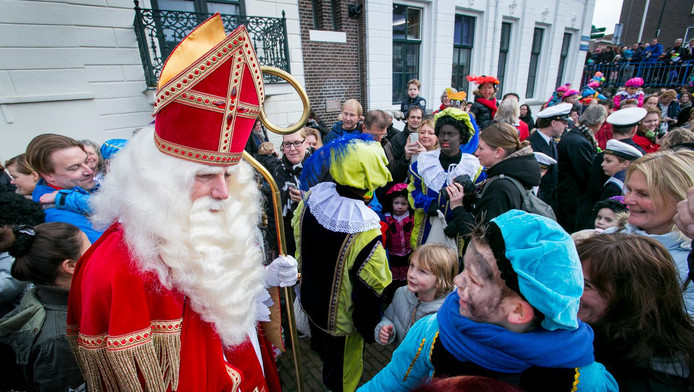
x,y
607,14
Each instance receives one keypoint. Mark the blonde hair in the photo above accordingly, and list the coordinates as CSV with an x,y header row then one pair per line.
x,y
669,94
508,111
675,137
442,262
353,104
315,133
415,82
668,174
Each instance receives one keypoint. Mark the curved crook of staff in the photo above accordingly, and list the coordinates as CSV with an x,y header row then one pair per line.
x,y
277,204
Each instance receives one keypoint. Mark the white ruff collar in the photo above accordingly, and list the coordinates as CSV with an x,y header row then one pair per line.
x,y
338,213
435,178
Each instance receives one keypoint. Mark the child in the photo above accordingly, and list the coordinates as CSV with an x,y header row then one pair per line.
x,y
429,279
484,107
413,98
632,90
399,222
610,213
556,96
617,158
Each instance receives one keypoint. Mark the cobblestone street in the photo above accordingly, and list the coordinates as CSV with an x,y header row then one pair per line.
x,y
375,358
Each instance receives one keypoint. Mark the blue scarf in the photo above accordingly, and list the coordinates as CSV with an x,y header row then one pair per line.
x,y
498,349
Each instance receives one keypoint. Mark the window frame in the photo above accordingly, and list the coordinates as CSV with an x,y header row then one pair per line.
x,y
503,54
535,52
406,45
458,80
563,55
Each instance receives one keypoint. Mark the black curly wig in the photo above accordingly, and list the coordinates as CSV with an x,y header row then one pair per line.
x,y
15,209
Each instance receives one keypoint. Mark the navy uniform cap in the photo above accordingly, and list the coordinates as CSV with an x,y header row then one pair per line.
x,y
626,117
622,150
557,112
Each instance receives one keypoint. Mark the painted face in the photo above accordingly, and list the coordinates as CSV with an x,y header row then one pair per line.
x,y
25,183
605,219
414,119
350,118
312,141
643,212
70,169
92,157
611,165
652,102
212,182
651,121
412,90
400,205
420,280
427,137
294,148
487,154
593,304
376,132
487,90
480,295
449,138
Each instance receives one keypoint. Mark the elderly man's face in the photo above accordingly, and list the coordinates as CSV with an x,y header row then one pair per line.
x,y
479,292
70,169
213,182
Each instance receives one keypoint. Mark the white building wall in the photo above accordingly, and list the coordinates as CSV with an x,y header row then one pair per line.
x,y
73,67
436,51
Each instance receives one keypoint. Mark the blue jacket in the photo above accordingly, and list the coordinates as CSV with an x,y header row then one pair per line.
x,y
71,206
337,131
655,51
416,101
411,364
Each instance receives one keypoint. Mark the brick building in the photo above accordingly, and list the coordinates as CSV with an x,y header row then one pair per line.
x,y
665,19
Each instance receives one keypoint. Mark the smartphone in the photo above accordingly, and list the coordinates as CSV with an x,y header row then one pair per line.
x,y
414,137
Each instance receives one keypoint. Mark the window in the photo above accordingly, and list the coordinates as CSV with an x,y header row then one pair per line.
x,y
503,55
406,41
562,58
463,38
534,61
689,34
229,7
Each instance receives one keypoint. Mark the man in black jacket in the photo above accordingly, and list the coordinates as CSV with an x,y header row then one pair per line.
x,y
577,150
552,123
396,151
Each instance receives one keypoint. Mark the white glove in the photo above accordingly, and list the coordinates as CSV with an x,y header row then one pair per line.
x,y
281,272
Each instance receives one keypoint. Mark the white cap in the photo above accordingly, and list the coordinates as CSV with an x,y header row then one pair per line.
x,y
556,112
544,159
626,117
622,150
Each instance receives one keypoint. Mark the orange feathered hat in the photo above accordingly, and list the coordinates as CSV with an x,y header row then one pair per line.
x,y
480,80
209,95
459,96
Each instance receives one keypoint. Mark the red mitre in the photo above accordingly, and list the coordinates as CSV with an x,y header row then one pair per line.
x,y
480,80
209,95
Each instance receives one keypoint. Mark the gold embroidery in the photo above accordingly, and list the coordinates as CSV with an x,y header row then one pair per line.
x,y
421,346
115,363
235,377
195,155
576,380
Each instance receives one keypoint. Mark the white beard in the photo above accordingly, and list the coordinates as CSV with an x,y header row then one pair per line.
x,y
218,268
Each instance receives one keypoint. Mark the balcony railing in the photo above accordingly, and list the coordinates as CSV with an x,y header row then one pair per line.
x,y
159,31
654,74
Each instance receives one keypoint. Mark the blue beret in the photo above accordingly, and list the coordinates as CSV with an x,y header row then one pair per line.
x,y
545,259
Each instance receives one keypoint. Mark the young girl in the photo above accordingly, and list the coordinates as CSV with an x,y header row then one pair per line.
x,y
610,213
45,255
429,280
399,223
632,90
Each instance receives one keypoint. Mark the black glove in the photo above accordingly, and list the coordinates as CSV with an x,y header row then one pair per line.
x,y
433,208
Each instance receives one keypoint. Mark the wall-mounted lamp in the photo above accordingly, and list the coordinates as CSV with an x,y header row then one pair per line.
x,y
354,10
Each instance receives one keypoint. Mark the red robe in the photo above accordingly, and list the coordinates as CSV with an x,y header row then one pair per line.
x,y
130,333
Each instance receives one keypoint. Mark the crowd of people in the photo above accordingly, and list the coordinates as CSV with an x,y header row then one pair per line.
x,y
495,250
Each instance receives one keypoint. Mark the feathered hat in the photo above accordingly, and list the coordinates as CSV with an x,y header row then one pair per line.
x,y
480,80
209,94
